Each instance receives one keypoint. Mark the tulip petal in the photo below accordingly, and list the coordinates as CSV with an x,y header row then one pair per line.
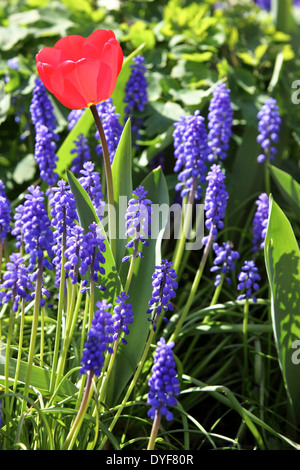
x,y
111,58
49,55
94,44
70,47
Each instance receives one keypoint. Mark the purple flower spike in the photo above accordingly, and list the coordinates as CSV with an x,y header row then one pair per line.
x,y
136,93
111,127
248,281
16,283
163,383
268,127
260,222
90,181
5,214
82,153
224,261
138,221
215,201
98,340
191,153
164,285
220,119
123,316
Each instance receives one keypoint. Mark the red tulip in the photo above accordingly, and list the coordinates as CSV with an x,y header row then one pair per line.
x,y
79,71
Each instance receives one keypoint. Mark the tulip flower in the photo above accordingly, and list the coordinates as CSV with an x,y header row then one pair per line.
x,y
81,72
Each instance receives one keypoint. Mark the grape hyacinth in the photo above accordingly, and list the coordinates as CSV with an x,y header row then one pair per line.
x,y
33,228
191,153
220,119
5,217
136,95
73,251
138,220
90,181
164,285
111,127
16,282
224,261
248,281
123,316
98,340
64,214
260,222
82,152
215,201
45,154
91,254
163,383
73,117
41,109
268,127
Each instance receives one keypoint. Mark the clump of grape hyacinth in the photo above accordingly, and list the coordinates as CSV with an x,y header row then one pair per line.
x,y
123,316
260,222
224,261
111,126
16,284
191,153
41,109
248,281
90,181
73,252
136,95
98,340
163,383
164,285
215,201
269,128
138,221
220,119
82,153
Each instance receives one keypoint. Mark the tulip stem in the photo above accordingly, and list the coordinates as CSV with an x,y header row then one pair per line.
x,y
109,181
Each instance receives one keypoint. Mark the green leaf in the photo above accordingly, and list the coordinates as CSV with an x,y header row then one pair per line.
x,y
140,291
282,259
40,378
88,215
64,154
288,187
122,180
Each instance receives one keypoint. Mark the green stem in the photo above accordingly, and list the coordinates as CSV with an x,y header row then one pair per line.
x,y
215,297
154,431
80,415
109,182
21,333
245,339
38,290
194,287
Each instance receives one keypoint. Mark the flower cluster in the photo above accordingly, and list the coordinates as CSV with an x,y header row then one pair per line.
x,y
82,153
111,127
164,285
138,221
33,228
73,117
136,95
92,250
90,181
5,213
260,222
220,118
16,283
224,261
73,252
123,316
191,153
268,127
98,340
43,118
215,201
163,383
248,281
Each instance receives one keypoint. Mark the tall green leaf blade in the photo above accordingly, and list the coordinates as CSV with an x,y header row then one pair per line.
x,y
88,215
140,292
122,180
288,187
282,259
